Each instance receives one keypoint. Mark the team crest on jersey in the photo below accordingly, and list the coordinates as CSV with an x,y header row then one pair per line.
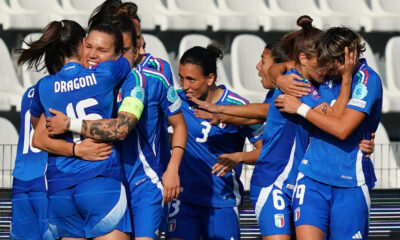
x,y
279,220
138,92
171,225
172,96
296,214
221,125
119,96
360,91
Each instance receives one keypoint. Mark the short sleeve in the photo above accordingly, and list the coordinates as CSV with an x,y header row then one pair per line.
x,y
366,90
167,72
134,86
118,68
36,107
170,100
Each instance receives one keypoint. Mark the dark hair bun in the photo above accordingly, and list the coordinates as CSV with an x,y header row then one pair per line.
x,y
215,51
304,21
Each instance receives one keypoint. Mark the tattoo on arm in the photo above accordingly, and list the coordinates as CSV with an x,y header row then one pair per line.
x,y
324,109
110,129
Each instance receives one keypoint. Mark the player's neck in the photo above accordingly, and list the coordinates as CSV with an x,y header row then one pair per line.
x,y
214,94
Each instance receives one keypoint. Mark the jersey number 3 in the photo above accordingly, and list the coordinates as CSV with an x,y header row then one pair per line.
x,y
205,131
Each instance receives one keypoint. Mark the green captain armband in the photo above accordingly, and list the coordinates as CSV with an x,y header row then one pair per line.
x,y
132,105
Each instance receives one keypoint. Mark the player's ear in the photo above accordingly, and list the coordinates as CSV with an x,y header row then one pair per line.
x,y
302,58
211,79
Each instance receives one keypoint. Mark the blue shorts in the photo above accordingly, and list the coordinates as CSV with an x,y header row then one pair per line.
x,y
90,209
273,210
29,216
193,222
341,212
146,206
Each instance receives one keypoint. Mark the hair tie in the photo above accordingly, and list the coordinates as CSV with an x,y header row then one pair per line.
x,y
134,20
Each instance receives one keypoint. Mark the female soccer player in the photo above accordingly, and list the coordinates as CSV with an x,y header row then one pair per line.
x,y
207,206
331,192
142,167
91,193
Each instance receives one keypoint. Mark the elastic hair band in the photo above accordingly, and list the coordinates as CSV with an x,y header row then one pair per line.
x,y
179,147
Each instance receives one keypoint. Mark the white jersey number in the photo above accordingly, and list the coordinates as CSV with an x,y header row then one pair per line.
x,y
279,202
300,191
79,113
175,204
28,135
205,132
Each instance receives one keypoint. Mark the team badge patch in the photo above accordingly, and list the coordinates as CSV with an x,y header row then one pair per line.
x,y
221,125
172,96
279,220
296,214
119,97
138,92
360,91
171,225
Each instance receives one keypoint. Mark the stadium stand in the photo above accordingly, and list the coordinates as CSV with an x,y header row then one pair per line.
x,y
79,10
10,86
246,51
8,149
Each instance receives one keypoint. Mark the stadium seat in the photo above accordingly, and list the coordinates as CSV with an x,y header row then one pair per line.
x,y
391,99
386,16
392,53
256,8
79,10
29,14
157,49
31,76
343,13
10,87
387,167
286,13
8,149
170,17
216,17
192,40
246,53
146,12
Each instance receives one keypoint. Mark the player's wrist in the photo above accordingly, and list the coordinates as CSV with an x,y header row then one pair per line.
x,y
75,125
303,110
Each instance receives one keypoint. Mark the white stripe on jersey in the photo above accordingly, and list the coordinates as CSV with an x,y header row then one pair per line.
x,y
236,188
365,190
284,175
237,99
148,170
359,169
115,215
224,96
262,199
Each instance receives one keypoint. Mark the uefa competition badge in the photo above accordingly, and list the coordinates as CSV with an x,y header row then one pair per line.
x,y
360,91
138,92
172,96
279,220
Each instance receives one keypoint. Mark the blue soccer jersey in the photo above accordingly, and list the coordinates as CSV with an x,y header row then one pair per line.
x,y
340,162
159,65
284,143
140,151
163,67
30,163
205,143
85,94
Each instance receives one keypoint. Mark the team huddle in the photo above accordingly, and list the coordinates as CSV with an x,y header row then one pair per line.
x,y
95,157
